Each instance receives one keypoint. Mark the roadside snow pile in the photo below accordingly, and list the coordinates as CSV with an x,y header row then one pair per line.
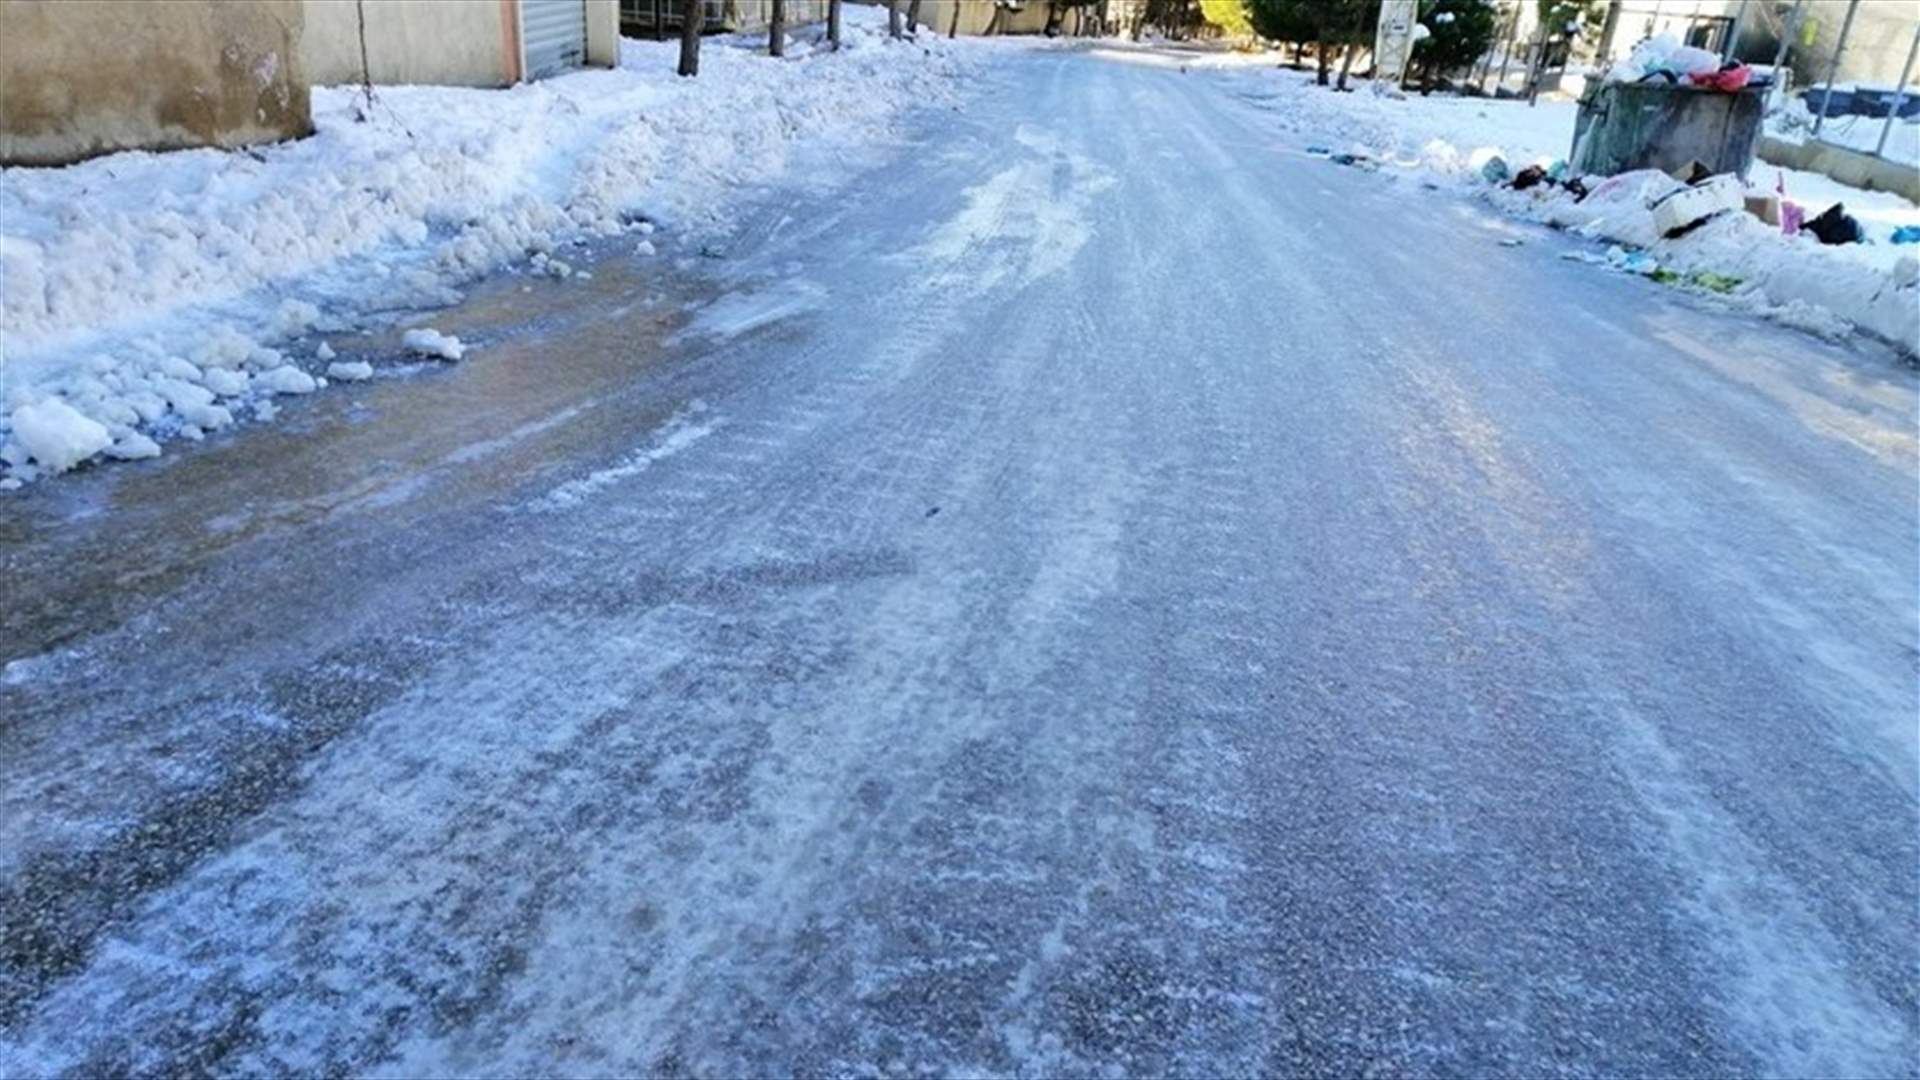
x,y
156,292
1478,144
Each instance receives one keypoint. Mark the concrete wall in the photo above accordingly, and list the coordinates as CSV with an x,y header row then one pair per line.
x,y
1850,167
437,42
88,78
603,33
1876,47
443,42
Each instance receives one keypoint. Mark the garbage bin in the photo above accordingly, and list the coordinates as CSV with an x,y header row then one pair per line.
x,y
1626,126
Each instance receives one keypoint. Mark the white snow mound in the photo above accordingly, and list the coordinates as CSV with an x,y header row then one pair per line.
x,y
427,342
56,436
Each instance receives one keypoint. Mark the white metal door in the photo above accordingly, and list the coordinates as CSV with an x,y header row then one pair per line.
x,y
553,33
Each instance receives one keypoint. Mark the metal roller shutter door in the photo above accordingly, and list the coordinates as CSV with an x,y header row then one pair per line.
x,y
554,35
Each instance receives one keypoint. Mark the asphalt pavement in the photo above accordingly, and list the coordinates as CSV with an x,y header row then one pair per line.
x,y
1103,592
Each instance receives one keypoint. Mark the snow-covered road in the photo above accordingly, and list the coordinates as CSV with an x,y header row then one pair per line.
x,y
1110,594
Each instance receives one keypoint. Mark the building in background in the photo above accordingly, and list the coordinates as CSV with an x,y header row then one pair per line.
x,y
457,42
229,73
661,18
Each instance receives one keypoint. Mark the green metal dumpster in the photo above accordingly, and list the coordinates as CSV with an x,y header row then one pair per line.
x,y
1626,126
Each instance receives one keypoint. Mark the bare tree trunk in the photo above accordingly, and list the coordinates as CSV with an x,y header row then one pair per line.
x,y
777,28
993,24
953,24
1354,35
913,18
1105,19
833,24
1320,56
893,18
1534,64
692,14
1604,51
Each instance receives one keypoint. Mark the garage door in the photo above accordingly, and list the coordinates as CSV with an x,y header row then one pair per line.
x,y
554,33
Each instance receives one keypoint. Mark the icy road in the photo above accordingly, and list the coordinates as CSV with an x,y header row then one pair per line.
x,y
1104,593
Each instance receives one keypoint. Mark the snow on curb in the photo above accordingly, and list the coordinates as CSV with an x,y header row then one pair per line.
x,y
147,296
1833,291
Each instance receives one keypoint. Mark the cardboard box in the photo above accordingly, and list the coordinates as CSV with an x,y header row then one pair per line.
x,y
1765,207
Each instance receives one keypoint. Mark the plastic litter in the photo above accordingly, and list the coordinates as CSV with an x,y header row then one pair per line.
x,y
1531,176
1495,170
1728,80
1906,234
1835,226
1792,217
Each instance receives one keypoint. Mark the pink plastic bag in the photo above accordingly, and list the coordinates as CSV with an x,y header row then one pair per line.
x,y
1792,216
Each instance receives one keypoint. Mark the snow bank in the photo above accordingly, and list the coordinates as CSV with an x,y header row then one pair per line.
x,y
154,293
1444,139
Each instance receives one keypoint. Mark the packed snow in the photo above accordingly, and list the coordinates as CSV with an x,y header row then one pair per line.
x,y
147,296
1445,141
426,342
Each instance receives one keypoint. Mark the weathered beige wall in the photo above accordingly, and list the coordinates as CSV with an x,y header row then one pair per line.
x,y
84,78
444,42
437,42
603,33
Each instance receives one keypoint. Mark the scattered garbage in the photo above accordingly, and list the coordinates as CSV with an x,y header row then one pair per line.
x,y
1320,151
1493,169
1511,241
1632,262
1906,234
1355,161
1765,207
1688,208
1835,226
1663,57
1728,80
1531,176
1792,217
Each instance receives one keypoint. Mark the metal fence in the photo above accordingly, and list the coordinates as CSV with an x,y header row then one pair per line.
x,y
1827,101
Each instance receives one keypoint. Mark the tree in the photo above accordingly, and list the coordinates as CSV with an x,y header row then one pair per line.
x,y
893,19
1175,18
1462,30
1229,15
833,24
692,14
1560,22
777,28
1327,23
1057,14
913,17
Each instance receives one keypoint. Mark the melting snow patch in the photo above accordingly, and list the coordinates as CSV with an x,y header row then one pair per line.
x,y
679,433
434,343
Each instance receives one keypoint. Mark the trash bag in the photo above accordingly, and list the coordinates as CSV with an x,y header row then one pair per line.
x,y
1728,80
1906,234
1531,176
1835,226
